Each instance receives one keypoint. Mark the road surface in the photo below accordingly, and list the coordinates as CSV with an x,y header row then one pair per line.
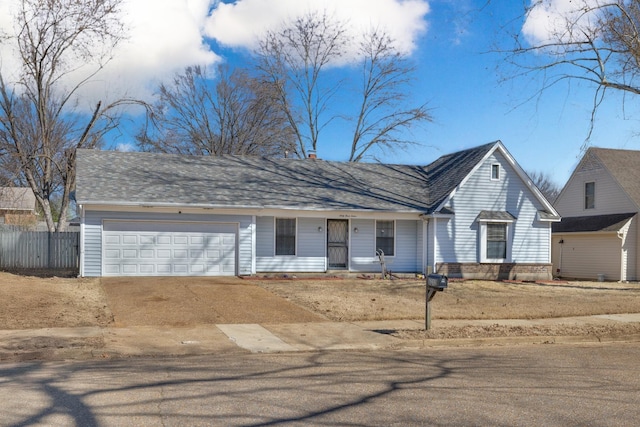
x,y
553,385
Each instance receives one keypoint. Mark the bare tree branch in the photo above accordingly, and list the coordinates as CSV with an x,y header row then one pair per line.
x,y
237,114
40,126
597,42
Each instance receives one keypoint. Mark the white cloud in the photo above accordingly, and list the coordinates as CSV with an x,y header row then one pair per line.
x,y
163,36
550,21
240,24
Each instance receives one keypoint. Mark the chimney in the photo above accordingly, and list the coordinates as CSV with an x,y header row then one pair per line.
x,y
312,154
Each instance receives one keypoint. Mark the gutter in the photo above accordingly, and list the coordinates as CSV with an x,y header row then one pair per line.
x,y
218,206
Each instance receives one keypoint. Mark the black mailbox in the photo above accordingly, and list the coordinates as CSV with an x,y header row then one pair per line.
x,y
437,282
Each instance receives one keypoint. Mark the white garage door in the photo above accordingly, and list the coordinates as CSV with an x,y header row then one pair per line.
x,y
168,249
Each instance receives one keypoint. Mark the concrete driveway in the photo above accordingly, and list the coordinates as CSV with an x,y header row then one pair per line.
x,y
188,301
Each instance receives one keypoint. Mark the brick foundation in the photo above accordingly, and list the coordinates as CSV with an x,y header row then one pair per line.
x,y
501,271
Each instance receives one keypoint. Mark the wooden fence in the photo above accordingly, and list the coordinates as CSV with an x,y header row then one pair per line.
x,y
39,250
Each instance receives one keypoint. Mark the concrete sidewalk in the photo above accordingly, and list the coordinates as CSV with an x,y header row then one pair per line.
x,y
96,342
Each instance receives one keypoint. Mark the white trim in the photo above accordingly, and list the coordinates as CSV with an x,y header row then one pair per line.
x,y
521,173
482,230
493,165
425,244
584,195
81,246
375,237
283,213
435,242
254,243
275,233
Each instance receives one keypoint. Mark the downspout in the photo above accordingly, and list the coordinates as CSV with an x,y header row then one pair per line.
x,y
620,235
435,248
561,243
81,245
253,244
425,245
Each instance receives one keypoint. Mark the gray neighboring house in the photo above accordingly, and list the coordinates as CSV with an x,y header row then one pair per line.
x,y
473,213
598,237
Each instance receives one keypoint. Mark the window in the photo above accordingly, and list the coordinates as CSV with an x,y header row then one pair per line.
x,y
495,172
285,236
589,195
496,241
385,237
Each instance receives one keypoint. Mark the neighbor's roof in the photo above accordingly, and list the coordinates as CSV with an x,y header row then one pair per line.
x,y
602,223
17,198
623,167
109,177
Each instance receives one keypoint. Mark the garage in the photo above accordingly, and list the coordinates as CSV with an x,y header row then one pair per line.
x,y
157,248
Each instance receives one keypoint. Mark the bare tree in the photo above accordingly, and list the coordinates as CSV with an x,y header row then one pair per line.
x,y
293,60
596,41
41,125
383,116
549,189
300,61
236,115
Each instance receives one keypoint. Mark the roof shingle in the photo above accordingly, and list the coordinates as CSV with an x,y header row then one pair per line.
x,y
236,181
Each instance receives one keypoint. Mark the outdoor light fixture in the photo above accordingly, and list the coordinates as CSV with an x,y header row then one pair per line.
x,y
320,229
355,230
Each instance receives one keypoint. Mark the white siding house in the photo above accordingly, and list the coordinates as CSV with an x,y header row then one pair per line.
x,y
598,238
473,213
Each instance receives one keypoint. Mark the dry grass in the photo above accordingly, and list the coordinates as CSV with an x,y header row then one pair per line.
x,y
357,299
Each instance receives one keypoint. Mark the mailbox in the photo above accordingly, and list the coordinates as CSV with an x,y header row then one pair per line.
x,y
437,282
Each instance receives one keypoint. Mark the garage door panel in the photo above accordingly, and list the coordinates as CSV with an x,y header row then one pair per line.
x,y
112,254
128,239
129,253
112,240
163,253
164,248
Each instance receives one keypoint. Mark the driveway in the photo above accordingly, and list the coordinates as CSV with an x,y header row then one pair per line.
x,y
188,301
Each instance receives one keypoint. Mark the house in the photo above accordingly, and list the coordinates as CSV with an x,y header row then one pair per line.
x,y
17,206
473,213
598,236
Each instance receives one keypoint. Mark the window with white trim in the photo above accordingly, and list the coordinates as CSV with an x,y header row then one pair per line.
x,y
385,237
589,195
496,240
495,172
285,236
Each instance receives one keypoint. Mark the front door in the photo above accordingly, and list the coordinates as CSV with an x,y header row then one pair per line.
x,y
338,243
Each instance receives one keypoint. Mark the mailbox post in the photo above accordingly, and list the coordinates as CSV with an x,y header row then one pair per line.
x,y
435,283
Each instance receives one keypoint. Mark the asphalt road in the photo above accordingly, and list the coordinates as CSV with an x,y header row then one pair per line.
x,y
552,385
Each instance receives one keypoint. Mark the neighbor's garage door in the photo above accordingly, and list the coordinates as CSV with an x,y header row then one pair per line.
x,y
168,249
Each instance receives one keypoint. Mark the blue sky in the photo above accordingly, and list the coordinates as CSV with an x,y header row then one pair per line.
x,y
449,42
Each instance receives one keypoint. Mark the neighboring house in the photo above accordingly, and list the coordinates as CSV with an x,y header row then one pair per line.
x,y
17,206
474,213
598,236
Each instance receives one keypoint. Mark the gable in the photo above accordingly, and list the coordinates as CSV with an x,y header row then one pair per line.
x,y
610,196
511,178
481,191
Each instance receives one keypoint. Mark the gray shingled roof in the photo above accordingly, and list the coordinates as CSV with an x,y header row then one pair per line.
x,y
110,177
623,165
603,223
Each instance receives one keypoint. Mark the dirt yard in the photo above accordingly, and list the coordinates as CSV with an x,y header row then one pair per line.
x,y
32,302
